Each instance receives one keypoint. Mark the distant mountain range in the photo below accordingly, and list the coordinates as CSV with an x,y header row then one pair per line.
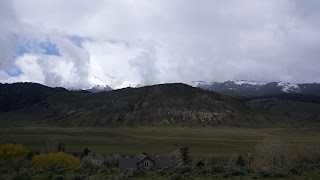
x,y
254,88
235,88
295,101
164,104
253,104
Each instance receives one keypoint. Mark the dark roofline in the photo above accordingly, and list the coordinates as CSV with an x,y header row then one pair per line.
x,y
147,157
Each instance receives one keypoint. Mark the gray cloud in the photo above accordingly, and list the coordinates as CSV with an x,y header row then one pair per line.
x,y
145,64
8,25
170,41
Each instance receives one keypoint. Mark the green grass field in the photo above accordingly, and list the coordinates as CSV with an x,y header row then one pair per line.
x,y
203,141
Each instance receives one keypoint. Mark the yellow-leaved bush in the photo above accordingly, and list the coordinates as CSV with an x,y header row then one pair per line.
x,y
13,151
54,160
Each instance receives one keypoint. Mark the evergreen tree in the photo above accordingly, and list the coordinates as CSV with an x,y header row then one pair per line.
x,y
240,161
185,155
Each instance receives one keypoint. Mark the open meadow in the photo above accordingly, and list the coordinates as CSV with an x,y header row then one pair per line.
x,y
218,142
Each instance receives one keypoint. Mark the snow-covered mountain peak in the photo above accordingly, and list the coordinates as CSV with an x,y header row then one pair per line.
x,y
198,83
96,82
255,83
253,88
287,87
97,85
237,82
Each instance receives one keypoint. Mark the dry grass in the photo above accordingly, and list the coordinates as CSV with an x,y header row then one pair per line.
x,y
203,141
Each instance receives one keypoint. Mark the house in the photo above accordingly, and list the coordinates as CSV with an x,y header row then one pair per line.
x,y
144,162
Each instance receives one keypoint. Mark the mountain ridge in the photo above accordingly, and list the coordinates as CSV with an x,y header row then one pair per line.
x,y
163,104
256,88
19,95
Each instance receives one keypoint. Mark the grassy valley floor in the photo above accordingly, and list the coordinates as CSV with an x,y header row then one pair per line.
x,y
219,142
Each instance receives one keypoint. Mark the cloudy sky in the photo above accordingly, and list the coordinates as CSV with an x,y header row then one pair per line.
x,y
122,42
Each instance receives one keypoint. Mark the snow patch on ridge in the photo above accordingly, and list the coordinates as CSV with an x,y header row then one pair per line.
x,y
125,84
96,82
255,83
237,82
198,83
287,87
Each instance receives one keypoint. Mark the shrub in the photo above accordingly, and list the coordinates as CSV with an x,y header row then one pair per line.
x,y
56,160
58,177
161,172
308,152
13,151
90,162
200,163
265,172
299,168
175,176
218,168
23,174
137,173
199,170
80,177
281,173
296,170
257,163
234,171
13,156
273,172
275,152
183,169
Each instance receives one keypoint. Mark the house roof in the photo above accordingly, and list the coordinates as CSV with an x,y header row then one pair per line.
x,y
142,157
160,162
127,162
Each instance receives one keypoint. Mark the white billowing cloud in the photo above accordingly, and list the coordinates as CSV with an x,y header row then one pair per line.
x,y
72,55
50,70
32,72
147,42
109,62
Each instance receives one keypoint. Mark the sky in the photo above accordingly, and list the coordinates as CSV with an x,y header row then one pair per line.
x,y
120,43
